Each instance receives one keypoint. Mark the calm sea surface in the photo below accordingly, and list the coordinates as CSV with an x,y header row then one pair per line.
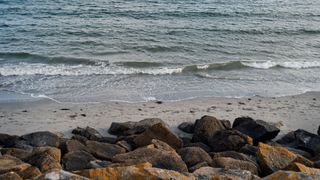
x,y
139,50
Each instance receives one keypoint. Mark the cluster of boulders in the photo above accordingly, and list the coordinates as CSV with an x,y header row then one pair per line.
x,y
148,149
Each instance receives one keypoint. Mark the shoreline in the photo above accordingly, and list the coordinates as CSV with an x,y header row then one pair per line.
x,y
289,113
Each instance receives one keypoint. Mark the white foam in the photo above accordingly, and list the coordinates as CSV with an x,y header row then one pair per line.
x,y
204,66
287,64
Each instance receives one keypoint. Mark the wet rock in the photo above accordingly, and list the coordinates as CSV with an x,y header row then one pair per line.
x,y
138,171
228,140
104,151
290,175
10,163
230,163
206,127
200,145
77,160
88,132
220,173
258,130
161,132
30,173
272,159
194,155
15,152
130,128
10,176
158,158
298,167
7,140
249,150
42,138
187,127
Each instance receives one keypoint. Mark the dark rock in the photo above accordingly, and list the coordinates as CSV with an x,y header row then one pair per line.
x,y
124,144
198,166
30,173
206,127
200,145
88,132
80,138
185,140
161,132
99,164
22,144
230,163
129,139
158,158
73,145
194,155
234,155
259,130
319,130
300,152
249,150
7,140
288,140
15,152
223,174
316,164
187,127
228,140
42,138
77,160
290,175
130,128
10,163
161,145
46,159
111,140
104,151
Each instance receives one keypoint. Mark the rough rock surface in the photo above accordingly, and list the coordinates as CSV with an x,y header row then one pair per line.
x,y
228,140
258,130
30,173
88,132
77,160
160,132
130,128
73,145
194,155
104,151
161,145
206,127
7,140
249,150
158,158
298,167
234,155
290,175
219,173
42,138
200,145
15,152
230,163
187,127
10,176
10,163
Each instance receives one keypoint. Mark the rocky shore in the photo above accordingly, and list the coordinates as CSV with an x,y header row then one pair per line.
x,y
148,149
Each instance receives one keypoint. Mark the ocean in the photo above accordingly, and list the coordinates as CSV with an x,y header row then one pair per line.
x,y
141,50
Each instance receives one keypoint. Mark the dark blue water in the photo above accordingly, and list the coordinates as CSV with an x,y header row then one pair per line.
x,y
137,50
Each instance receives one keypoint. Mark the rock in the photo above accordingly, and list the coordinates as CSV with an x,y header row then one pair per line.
x,y
124,144
259,131
298,167
61,174
301,139
30,173
249,150
99,164
290,175
158,158
73,145
316,164
300,152
272,159
161,145
22,144
198,166
230,163
206,127
88,132
187,127
42,138
185,140
15,152
219,173
234,155
319,130
7,140
104,151
130,128
228,140
194,155
138,171
200,145
79,138
55,153
10,176
10,163
160,132
46,159
77,160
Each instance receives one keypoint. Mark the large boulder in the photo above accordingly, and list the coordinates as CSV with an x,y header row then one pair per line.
x,y
259,130
7,140
138,171
290,175
41,138
302,139
220,173
228,140
73,145
88,132
206,127
10,163
46,159
161,132
15,152
104,151
157,157
194,155
187,127
274,158
230,163
130,128
77,160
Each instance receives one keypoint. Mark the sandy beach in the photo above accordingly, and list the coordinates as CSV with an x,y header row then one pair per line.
x,y
289,113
